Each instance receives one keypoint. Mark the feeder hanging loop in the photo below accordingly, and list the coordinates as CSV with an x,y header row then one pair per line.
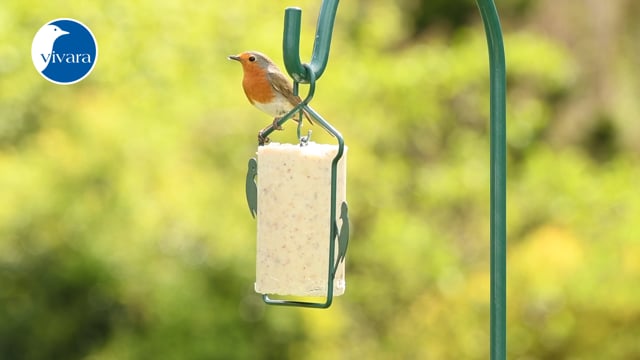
x,y
321,45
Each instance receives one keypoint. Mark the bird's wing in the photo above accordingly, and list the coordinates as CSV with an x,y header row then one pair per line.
x,y
283,86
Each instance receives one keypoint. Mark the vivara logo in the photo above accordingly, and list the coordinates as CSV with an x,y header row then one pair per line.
x,y
64,51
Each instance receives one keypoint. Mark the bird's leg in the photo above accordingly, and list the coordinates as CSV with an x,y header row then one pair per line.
x,y
275,124
265,140
262,140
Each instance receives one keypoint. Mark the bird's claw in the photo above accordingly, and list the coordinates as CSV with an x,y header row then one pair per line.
x,y
275,125
263,140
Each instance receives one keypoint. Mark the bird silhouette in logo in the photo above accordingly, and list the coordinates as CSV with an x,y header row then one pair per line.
x,y
42,46
343,235
251,187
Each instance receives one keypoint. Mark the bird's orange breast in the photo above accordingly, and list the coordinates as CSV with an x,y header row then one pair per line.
x,y
256,85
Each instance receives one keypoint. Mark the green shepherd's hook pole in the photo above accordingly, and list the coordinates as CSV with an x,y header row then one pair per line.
x,y
321,45
498,165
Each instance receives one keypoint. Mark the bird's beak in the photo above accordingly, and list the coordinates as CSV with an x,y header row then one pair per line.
x,y
234,57
63,32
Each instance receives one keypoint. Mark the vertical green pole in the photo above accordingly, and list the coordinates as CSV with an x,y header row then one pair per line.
x,y
498,179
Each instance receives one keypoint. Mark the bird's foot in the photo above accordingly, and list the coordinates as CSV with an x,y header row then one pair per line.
x,y
275,124
263,140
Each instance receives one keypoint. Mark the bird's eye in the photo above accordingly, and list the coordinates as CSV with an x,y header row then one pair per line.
x,y
252,58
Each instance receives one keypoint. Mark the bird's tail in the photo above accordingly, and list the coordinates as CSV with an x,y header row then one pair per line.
x,y
296,118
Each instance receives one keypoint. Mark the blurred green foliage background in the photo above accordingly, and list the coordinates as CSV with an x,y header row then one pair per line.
x,y
124,232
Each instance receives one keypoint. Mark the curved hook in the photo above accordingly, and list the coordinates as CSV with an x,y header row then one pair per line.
x,y
321,45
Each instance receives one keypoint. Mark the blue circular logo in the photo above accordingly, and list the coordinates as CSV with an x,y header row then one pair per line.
x,y
64,51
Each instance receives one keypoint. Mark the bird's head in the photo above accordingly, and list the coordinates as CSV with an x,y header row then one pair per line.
x,y
344,210
53,32
252,60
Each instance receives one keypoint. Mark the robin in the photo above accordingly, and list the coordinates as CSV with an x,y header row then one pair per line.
x,y
266,87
